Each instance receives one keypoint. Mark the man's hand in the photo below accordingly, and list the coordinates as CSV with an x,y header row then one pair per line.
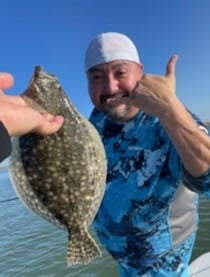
x,y
154,93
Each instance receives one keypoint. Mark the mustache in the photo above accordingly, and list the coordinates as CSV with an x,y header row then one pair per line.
x,y
115,95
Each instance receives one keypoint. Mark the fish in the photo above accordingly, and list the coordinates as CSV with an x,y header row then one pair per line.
x,y
61,177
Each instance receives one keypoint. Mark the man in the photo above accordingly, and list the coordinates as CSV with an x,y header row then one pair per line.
x,y
158,160
16,118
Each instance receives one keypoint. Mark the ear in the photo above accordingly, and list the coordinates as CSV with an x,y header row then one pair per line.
x,y
140,69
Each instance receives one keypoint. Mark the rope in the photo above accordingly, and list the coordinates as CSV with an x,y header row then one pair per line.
x,y
8,200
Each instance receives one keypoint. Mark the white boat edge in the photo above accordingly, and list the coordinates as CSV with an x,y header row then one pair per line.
x,y
200,267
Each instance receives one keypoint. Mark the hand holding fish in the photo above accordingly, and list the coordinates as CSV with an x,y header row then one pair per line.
x,y
19,118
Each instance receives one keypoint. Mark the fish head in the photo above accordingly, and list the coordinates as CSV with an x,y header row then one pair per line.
x,y
44,92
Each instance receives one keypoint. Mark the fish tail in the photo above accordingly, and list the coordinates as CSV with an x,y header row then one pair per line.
x,y
82,248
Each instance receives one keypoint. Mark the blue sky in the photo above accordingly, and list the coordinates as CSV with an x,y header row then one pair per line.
x,y
55,34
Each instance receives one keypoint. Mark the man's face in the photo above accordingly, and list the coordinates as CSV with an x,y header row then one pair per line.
x,y
109,82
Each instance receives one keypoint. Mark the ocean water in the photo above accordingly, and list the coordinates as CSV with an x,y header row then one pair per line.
x,y
32,247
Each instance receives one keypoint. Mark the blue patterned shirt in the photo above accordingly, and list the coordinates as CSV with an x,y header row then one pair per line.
x,y
146,211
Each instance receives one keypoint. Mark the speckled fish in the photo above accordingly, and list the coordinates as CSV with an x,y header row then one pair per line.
x,y
61,177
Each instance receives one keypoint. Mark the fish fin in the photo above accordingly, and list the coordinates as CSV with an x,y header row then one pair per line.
x,y
82,248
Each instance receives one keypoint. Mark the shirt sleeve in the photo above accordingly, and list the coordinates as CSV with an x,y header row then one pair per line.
x,y
5,143
200,184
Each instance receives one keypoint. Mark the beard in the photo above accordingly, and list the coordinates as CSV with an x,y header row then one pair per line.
x,y
120,112
118,107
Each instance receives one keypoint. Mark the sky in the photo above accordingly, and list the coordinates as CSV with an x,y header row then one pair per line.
x,y
56,33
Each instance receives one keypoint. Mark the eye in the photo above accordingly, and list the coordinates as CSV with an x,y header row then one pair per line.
x,y
96,76
121,73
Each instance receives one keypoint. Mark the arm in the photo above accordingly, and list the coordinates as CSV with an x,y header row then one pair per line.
x,y
156,95
192,143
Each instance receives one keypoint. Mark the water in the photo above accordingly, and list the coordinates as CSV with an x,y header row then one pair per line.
x,y
30,246
202,243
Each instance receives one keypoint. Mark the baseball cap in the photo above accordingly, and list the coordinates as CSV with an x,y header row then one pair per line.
x,y
111,46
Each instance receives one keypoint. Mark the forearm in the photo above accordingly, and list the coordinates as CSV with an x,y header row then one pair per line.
x,y
155,95
191,143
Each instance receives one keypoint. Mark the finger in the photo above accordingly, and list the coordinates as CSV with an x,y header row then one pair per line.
x,y
6,81
18,100
47,117
170,68
51,125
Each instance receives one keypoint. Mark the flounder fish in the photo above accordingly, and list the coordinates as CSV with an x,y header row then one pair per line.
x,y
61,177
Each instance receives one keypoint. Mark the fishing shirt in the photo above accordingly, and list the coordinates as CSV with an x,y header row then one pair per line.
x,y
150,203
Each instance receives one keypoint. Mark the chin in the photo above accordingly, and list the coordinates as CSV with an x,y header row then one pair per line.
x,y
121,113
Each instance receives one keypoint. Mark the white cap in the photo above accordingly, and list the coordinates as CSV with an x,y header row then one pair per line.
x,y
108,47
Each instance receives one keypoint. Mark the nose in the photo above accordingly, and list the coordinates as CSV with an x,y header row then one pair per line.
x,y
111,85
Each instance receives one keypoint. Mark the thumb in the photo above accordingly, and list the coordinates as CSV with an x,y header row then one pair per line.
x,y
170,68
6,81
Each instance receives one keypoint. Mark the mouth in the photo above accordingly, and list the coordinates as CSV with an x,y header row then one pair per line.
x,y
114,99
